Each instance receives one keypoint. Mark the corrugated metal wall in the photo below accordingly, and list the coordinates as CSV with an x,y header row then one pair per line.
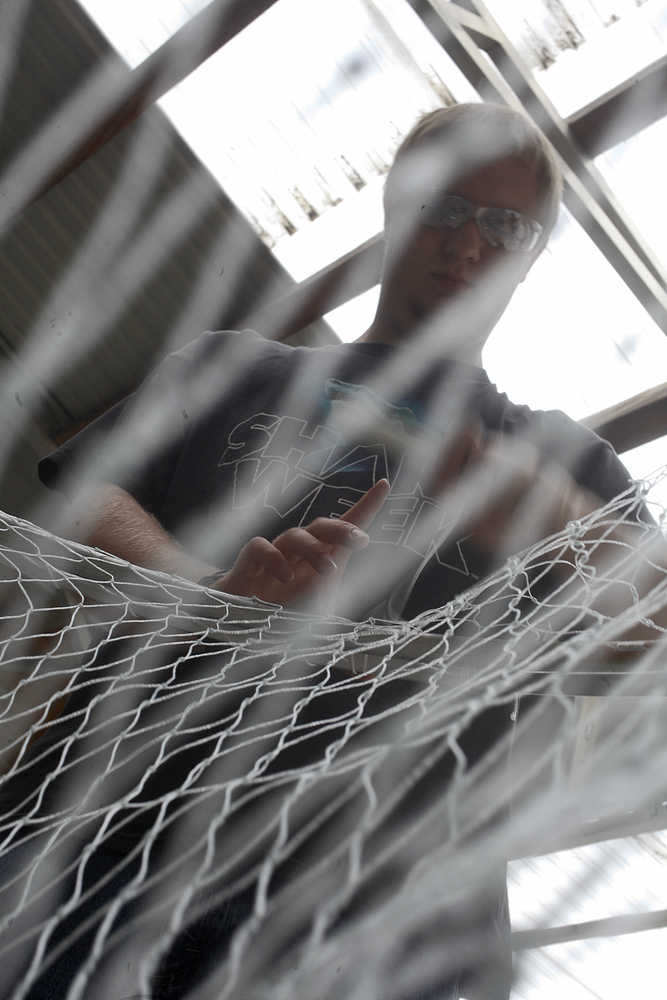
x,y
136,250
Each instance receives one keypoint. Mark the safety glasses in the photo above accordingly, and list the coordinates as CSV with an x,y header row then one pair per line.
x,y
500,227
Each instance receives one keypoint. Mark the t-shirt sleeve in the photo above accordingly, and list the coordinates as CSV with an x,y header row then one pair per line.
x,y
100,453
136,444
595,465
603,473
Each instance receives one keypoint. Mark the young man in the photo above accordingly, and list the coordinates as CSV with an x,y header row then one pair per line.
x,y
267,469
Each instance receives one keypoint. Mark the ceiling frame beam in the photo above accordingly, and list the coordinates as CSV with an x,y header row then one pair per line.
x,y
634,421
616,827
623,111
478,28
630,923
334,285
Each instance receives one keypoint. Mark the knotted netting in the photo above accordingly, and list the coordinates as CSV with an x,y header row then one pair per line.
x,y
216,797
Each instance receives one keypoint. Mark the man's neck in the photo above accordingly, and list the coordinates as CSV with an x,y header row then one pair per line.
x,y
381,332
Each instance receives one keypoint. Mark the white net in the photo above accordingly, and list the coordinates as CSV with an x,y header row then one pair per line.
x,y
219,798
210,797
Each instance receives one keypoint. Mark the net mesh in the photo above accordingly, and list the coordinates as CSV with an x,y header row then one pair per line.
x,y
216,797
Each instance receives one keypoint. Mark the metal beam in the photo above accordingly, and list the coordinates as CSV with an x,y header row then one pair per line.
x,y
588,196
350,275
633,422
439,28
623,111
479,30
130,94
631,923
649,820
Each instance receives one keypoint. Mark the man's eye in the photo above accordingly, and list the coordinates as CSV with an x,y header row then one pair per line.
x,y
509,227
452,214
452,218
507,223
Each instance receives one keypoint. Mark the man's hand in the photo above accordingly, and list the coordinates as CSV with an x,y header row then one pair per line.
x,y
506,498
303,564
503,495
521,499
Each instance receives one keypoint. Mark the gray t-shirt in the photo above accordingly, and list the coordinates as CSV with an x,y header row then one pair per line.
x,y
255,437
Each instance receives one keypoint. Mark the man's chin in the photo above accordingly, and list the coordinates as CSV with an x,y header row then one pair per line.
x,y
446,297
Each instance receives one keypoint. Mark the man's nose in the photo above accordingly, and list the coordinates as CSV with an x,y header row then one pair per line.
x,y
465,242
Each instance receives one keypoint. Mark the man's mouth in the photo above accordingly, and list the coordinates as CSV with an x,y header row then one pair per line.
x,y
448,282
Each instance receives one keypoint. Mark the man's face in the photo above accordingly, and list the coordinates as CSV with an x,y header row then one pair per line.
x,y
438,267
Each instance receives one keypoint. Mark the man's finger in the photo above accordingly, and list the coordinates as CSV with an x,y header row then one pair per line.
x,y
365,509
338,533
298,543
259,555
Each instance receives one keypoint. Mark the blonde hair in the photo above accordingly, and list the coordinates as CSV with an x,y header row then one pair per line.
x,y
463,137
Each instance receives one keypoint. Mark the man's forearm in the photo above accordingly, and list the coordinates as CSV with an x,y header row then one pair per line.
x,y
115,522
634,565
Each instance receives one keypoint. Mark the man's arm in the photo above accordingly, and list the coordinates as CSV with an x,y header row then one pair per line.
x,y
288,570
633,559
524,501
115,522
300,566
